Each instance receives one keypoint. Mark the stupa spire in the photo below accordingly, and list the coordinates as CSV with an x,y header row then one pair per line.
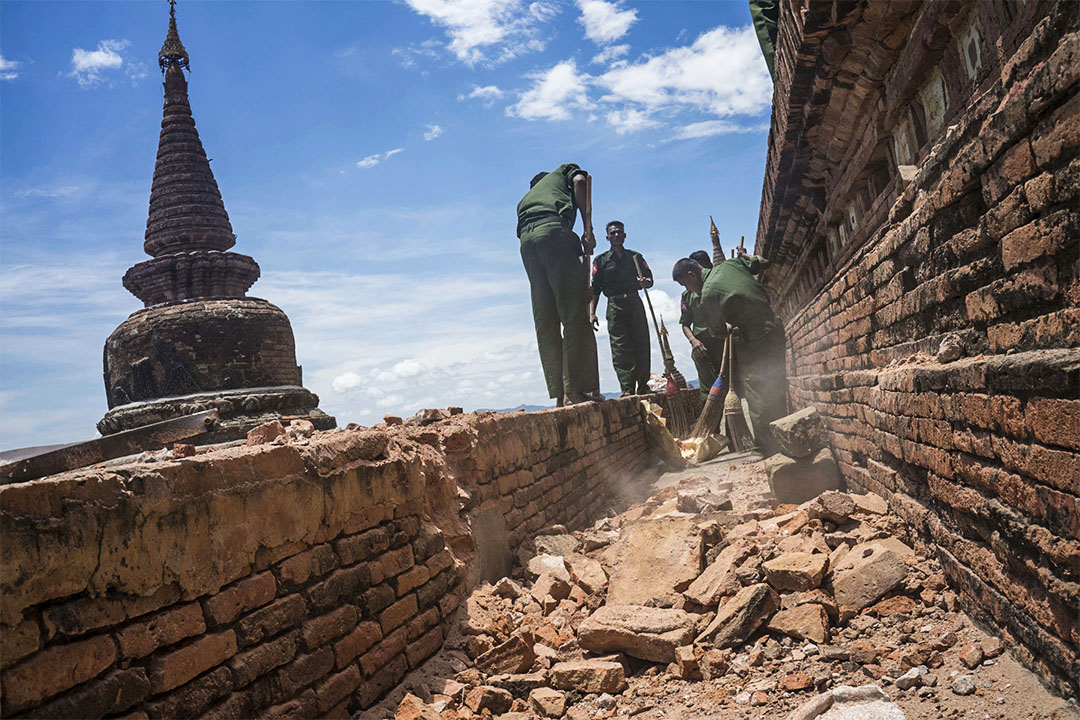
x,y
172,52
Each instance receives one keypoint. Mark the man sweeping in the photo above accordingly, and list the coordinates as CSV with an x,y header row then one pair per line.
x,y
619,274
554,259
706,346
731,295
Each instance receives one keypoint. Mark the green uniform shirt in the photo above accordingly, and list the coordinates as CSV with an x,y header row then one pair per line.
x,y
553,195
615,275
732,295
690,310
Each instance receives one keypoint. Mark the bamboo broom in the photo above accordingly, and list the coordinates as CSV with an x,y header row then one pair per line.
x,y
713,412
737,429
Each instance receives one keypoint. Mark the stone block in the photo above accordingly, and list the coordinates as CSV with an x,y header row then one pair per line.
x,y
19,641
547,584
806,622
800,434
588,676
340,586
54,670
513,656
796,571
141,638
587,573
547,702
398,613
550,564
302,567
194,697
874,571
739,617
265,433
719,578
687,664
484,697
424,647
380,656
796,481
365,546
835,507
642,632
176,667
655,560
333,689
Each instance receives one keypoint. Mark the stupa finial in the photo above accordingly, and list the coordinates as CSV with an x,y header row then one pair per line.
x,y
172,52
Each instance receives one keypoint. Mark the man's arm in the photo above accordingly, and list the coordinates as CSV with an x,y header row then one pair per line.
x,y
696,346
646,279
582,201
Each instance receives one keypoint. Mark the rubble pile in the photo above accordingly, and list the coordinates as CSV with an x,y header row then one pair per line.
x,y
683,607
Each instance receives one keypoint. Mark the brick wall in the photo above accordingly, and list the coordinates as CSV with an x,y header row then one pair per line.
x,y
299,579
971,228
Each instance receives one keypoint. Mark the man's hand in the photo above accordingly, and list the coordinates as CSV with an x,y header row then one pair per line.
x,y
742,251
645,282
698,348
595,321
588,240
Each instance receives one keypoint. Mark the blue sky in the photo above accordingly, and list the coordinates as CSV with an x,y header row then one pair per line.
x,y
370,156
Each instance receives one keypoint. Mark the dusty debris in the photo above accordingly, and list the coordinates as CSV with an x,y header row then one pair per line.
x,y
677,609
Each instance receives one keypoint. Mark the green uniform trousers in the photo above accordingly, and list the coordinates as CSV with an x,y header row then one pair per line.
x,y
766,14
761,379
557,278
708,367
631,350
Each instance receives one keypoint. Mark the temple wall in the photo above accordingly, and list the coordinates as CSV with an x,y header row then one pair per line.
x,y
300,579
929,198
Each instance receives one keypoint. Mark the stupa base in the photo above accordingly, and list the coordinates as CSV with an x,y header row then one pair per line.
x,y
239,410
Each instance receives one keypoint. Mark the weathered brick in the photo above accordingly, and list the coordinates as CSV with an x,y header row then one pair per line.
x,y
359,641
113,693
261,659
342,586
174,668
429,593
429,644
332,690
268,621
422,623
245,703
428,542
193,698
19,641
380,682
301,708
391,563
91,613
303,671
1054,421
145,636
379,598
398,613
439,562
240,597
310,564
380,655
1058,136
1047,236
1015,166
55,669
364,546
321,630
411,579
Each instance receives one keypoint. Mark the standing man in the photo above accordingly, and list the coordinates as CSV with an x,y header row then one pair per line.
x,y
558,281
615,274
707,348
730,294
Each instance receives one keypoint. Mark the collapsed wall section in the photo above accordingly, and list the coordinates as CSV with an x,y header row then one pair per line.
x,y
301,579
921,196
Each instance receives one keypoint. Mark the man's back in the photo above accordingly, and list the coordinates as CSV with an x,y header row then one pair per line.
x,y
552,195
732,289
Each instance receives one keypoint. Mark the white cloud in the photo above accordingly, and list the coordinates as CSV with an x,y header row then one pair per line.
x,y
409,368
721,74
372,160
553,94
61,191
487,94
710,128
8,69
611,52
488,31
91,67
346,382
628,120
605,22
433,132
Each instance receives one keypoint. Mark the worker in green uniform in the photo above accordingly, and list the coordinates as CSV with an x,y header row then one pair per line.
x,y
558,280
766,14
615,274
731,296
707,348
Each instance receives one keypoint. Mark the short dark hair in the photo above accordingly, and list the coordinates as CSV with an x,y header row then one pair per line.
x,y
684,267
536,178
615,222
701,258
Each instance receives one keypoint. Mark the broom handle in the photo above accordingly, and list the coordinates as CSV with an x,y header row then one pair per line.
x,y
651,311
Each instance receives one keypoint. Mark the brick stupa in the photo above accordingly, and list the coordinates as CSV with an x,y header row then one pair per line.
x,y
199,343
